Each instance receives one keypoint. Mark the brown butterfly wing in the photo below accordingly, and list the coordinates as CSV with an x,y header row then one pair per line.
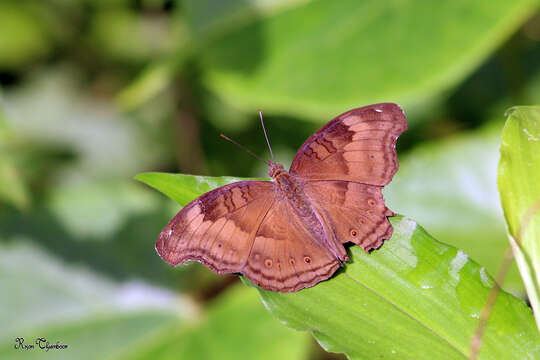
x,y
286,256
218,228
345,165
355,211
247,227
250,227
358,146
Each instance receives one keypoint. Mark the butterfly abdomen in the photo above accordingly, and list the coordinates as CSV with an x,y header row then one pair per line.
x,y
291,189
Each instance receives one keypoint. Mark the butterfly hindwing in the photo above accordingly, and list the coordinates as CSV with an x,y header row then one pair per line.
x,y
285,255
356,212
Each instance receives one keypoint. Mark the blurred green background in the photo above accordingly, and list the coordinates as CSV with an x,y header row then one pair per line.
x,y
93,92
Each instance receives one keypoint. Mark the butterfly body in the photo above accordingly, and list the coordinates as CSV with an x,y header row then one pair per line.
x,y
290,188
288,234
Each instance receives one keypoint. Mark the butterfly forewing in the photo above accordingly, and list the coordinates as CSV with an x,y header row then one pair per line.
x,y
358,146
243,228
344,166
217,229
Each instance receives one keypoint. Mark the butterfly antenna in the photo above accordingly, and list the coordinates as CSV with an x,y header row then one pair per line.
x,y
245,149
266,136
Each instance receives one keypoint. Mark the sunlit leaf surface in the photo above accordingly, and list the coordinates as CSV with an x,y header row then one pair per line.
x,y
355,52
422,292
450,187
519,187
417,290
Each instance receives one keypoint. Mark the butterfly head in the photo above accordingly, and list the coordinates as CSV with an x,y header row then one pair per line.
x,y
275,169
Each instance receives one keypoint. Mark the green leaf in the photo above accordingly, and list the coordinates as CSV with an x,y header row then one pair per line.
x,y
427,294
356,52
450,187
184,188
519,187
207,18
415,289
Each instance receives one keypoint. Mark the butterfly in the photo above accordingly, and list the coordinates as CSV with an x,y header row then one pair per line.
x,y
288,234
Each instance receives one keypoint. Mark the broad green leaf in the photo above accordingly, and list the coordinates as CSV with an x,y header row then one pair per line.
x,y
356,52
236,326
519,188
414,298
98,318
207,18
450,187
427,294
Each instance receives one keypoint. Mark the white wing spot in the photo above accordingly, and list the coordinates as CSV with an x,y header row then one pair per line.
x,y
378,110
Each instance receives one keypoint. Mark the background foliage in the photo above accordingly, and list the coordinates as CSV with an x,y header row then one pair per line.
x,y
94,92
